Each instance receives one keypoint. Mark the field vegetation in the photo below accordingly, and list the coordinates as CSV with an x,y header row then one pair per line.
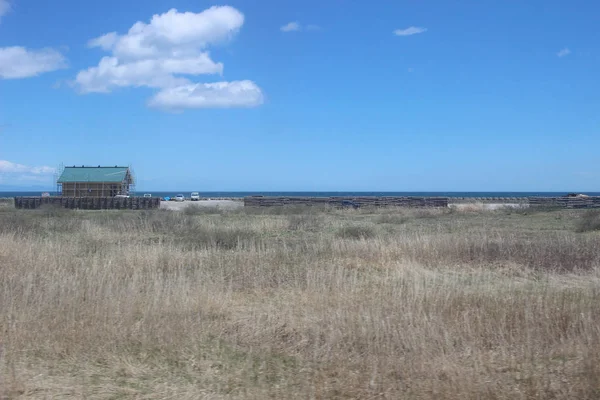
x,y
288,303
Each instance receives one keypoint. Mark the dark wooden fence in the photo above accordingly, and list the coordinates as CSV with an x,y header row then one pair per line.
x,y
89,203
488,200
362,201
143,203
423,202
565,202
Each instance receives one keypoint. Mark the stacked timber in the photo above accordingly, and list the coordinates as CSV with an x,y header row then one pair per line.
x,y
89,203
565,202
418,202
488,200
351,201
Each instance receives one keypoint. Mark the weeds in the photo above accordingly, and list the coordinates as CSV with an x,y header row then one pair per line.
x,y
304,222
356,232
51,210
284,210
298,303
192,210
6,202
590,221
396,219
200,237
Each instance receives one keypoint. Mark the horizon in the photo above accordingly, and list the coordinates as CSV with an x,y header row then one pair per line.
x,y
345,192
303,96
52,188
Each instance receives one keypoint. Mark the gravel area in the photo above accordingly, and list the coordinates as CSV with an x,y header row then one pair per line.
x,y
179,206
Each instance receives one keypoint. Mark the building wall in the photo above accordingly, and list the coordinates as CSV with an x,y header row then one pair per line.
x,y
93,189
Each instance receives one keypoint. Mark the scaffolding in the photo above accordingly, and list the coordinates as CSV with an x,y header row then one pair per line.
x,y
57,175
131,189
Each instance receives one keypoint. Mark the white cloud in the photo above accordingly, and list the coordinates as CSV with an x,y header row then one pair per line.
x,y
4,7
19,62
154,73
105,42
7,167
296,26
163,54
413,30
564,52
173,33
209,95
291,27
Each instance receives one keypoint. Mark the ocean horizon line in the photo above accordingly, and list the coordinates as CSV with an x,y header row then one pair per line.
x,y
239,194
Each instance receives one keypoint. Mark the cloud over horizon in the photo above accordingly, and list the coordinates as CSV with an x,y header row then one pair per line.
x,y
564,52
413,30
290,27
161,53
295,26
8,167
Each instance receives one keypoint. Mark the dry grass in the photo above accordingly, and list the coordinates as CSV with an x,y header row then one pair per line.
x,y
6,202
590,221
298,304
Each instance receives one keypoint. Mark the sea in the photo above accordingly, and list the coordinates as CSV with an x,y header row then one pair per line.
x,y
330,194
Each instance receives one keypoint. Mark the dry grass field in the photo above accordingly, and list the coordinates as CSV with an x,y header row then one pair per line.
x,y
296,303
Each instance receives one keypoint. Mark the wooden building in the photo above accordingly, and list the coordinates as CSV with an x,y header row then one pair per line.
x,y
95,181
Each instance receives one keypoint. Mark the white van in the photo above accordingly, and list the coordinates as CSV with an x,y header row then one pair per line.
x,y
195,196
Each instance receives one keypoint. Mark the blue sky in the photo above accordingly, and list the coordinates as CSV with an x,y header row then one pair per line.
x,y
304,95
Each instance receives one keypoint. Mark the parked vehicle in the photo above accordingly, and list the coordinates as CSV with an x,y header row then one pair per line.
x,y
179,197
195,196
147,195
121,196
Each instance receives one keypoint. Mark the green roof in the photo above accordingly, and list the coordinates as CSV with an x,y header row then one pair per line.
x,y
95,174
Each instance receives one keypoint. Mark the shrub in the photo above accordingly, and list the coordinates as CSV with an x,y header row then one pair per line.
x,y
213,237
396,219
18,221
356,232
590,221
53,210
192,210
292,209
425,213
556,252
306,222
7,202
